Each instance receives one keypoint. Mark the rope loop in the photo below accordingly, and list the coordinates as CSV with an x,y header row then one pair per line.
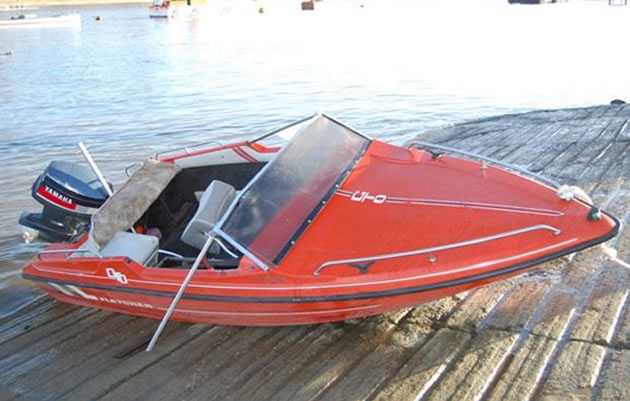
x,y
611,254
570,192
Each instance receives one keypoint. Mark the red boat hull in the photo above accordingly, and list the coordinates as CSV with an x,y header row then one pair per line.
x,y
404,228
248,314
259,308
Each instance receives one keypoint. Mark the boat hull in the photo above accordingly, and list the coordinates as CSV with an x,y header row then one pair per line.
x,y
42,21
262,301
174,11
158,12
269,311
402,227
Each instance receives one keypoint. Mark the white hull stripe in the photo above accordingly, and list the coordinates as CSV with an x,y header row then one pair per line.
x,y
81,293
71,290
452,203
60,288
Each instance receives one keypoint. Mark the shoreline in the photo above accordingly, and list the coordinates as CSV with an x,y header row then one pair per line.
x,y
18,5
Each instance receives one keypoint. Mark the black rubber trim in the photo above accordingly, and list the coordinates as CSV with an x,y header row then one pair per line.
x,y
348,297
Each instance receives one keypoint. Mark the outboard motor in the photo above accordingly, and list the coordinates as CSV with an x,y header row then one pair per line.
x,y
71,194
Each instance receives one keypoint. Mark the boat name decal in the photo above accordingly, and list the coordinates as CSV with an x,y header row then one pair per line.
x,y
125,302
362,196
118,276
73,291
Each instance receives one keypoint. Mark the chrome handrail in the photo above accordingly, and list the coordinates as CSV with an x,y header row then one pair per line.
x,y
250,255
187,149
225,248
53,251
413,252
137,166
426,146
169,253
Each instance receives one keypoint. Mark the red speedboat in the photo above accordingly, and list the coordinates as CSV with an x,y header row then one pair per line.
x,y
332,225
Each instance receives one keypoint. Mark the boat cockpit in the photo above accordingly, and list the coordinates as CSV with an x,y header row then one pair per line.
x,y
256,209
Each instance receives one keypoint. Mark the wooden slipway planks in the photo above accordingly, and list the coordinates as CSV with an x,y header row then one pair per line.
x,y
560,332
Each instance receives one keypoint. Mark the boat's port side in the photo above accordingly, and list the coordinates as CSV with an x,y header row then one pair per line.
x,y
169,215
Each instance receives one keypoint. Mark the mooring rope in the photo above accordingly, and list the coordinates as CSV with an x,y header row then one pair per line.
x,y
612,253
570,192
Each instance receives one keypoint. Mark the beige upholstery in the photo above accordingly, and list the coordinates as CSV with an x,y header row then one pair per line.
x,y
130,202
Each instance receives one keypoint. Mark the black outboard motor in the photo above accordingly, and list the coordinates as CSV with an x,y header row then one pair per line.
x,y
71,194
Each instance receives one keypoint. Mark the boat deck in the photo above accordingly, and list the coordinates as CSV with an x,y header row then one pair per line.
x,y
561,332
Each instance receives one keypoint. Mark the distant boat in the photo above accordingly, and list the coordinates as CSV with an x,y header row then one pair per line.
x,y
32,19
174,8
14,8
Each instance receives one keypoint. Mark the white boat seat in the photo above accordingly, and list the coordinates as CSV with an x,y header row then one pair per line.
x,y
212,205
199,194
137,247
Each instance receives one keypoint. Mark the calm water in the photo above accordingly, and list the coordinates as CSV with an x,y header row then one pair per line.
x,y
129,86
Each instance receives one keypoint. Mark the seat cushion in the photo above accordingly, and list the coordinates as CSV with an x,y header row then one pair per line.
x,y
137,247
132,200
213,203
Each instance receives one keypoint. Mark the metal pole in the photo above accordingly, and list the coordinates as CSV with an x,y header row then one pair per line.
x,y
171,308
98,173
95,168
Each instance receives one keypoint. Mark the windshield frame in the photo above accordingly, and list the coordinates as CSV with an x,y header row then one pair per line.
x,y
285,128
218,229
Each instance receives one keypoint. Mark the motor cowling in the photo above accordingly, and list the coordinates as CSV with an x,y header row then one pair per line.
x,y
70,194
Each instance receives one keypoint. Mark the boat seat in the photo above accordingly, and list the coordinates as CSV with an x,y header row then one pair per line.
x,y
199,194
140,248
137,247
212,205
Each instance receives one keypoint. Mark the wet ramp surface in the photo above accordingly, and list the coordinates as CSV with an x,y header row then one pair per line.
x,y
561,331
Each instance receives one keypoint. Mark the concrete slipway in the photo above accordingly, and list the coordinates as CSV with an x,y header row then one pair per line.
x,y
560,332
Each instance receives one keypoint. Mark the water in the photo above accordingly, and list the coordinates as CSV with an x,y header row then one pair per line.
x,y
129,86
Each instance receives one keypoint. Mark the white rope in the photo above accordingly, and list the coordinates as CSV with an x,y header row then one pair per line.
x,y
612,253
570,192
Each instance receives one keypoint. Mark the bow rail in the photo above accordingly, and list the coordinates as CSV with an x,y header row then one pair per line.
x,y
474,156
413,252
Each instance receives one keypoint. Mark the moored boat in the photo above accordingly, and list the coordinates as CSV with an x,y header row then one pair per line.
x,y
330,225
34,20
18,8
175,8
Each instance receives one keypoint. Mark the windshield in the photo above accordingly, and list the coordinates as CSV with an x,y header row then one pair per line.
x,y
283,135
277,204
